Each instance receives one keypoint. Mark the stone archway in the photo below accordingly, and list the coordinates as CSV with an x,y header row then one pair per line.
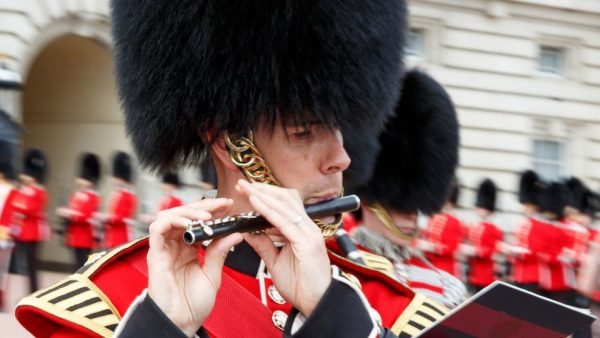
x,y
70,106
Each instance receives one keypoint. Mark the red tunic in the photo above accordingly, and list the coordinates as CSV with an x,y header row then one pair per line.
x,y
7,195
484,237
555,273
525,267
121,209
385,295
444,231
30,223
169,202
578,236
80,228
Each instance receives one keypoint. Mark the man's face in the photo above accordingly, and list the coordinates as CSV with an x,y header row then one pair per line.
x,y
308,158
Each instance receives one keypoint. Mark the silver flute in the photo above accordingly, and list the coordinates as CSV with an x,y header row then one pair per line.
x,y
199,231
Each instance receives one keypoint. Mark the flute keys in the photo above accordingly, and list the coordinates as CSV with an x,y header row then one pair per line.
x,y
279,319
275,295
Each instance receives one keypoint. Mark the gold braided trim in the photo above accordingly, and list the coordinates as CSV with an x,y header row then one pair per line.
x,y
412,321
378,263
385,218
97,260
77,300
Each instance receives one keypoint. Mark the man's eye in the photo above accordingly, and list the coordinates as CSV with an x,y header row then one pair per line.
x,y
302,134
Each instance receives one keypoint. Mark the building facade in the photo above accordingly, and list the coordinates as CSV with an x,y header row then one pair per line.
x,y
524,75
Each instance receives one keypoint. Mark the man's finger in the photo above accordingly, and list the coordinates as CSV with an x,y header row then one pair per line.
x,y
166,228
215,256
264,247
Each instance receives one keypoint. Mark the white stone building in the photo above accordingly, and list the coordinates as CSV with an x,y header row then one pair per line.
x,y
524,74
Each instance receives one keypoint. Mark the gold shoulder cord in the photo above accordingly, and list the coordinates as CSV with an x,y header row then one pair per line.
x,y
388,222
246,156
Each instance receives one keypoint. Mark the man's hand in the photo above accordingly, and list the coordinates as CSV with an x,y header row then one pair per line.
x,y
183,289
301,269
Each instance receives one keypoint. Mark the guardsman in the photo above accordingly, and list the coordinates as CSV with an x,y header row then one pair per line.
x,y
7,195
443,236
267,87
83,204
483,238
557,277
413,173
30,222
522,252
170,185
121,205
578,219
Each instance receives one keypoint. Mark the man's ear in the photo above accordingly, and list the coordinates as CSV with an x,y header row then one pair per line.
x,y
221,152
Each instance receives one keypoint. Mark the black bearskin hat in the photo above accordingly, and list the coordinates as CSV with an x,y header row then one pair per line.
x,y
530,188
363,153
122,166
35,165
454,192
486,195
555,199
187,67
90,168
579,194
592,204
6,160
171,178
419,149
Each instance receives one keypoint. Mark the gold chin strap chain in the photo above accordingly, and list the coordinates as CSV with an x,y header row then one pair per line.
x,y
246,156
385,218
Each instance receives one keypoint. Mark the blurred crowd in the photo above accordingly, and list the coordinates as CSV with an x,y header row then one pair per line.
x,y
84,227
545,253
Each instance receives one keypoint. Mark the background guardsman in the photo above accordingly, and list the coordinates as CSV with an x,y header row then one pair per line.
x,y
84,203
30,222
413,173
557,278
578,219
170,185
121,205
443,236
7,195
523,250
483,238
270,82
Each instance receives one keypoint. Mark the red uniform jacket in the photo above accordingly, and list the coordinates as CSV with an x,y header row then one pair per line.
x,y
578,237
30,223
80,228
555,273
525,267
55,311
169,202
484,237
121,209
444,231
7,195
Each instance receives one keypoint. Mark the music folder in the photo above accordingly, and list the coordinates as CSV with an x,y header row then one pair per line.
x,y
502,310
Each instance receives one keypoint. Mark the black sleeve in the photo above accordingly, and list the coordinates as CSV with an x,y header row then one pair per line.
x,y
149,321
340,313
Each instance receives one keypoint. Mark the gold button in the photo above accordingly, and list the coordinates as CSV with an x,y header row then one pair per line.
x,y
275,295
279,318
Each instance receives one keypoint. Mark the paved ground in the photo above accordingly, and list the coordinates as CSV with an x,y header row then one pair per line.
x,y
18,288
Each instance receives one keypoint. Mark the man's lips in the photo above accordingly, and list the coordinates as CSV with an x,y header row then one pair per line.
x,y
322,198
